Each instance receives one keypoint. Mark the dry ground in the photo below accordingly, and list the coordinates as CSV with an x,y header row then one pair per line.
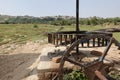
x,y
20,61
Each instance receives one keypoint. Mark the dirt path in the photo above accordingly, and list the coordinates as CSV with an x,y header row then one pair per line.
x,y
21,60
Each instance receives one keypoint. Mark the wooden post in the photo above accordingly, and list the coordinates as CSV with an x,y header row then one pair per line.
x,y
49,38
106,42
56,39
98,42
103,40
71,37
93,42
65,37
60,38
88,43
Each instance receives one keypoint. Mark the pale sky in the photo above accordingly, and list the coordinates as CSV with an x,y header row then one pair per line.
x,y
88,8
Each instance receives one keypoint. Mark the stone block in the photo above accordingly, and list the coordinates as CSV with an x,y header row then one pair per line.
x,y
56,59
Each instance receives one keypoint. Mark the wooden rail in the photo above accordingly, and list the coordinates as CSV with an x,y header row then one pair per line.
x,y
67,38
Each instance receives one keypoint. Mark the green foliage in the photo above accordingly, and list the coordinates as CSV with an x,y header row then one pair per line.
x,y
75,75
62,22
115,75
99,21
35,26
117,36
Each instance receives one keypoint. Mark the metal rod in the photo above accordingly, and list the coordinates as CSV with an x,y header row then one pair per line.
x,y
77,15
77,22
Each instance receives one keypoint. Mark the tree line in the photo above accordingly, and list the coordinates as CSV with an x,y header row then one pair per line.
x,y
58,20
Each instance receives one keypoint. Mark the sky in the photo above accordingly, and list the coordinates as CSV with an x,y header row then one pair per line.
x,y
38,8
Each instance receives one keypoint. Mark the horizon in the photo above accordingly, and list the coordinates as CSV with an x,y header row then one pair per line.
x,y
102,8
54,16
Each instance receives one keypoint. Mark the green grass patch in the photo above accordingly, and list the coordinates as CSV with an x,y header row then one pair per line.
x,y
117,36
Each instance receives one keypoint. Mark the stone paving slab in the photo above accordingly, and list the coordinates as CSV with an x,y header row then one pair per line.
x,y
46,64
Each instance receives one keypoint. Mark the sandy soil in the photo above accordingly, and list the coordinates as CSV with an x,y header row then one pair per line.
x,y
20,61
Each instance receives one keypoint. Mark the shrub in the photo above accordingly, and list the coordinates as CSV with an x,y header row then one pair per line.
x,y
75,75
35,26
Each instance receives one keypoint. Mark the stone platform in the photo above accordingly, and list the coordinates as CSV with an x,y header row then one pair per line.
x,y
46,67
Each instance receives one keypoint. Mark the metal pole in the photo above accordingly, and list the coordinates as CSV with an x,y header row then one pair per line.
x,y
77,15
77,22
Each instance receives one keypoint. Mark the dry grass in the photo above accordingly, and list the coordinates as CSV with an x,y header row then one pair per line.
x,y
19,33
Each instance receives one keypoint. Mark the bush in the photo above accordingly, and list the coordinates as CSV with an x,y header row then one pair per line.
x,y
75,75
35,26
115,75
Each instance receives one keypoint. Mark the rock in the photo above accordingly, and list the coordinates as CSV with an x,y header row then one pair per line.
x,y
96,53
41,76
56,59
48,75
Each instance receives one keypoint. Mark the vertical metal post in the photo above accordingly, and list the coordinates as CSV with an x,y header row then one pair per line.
x,y
77,22
77,15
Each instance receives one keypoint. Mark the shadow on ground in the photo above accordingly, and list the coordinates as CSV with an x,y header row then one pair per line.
x,y
16,66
